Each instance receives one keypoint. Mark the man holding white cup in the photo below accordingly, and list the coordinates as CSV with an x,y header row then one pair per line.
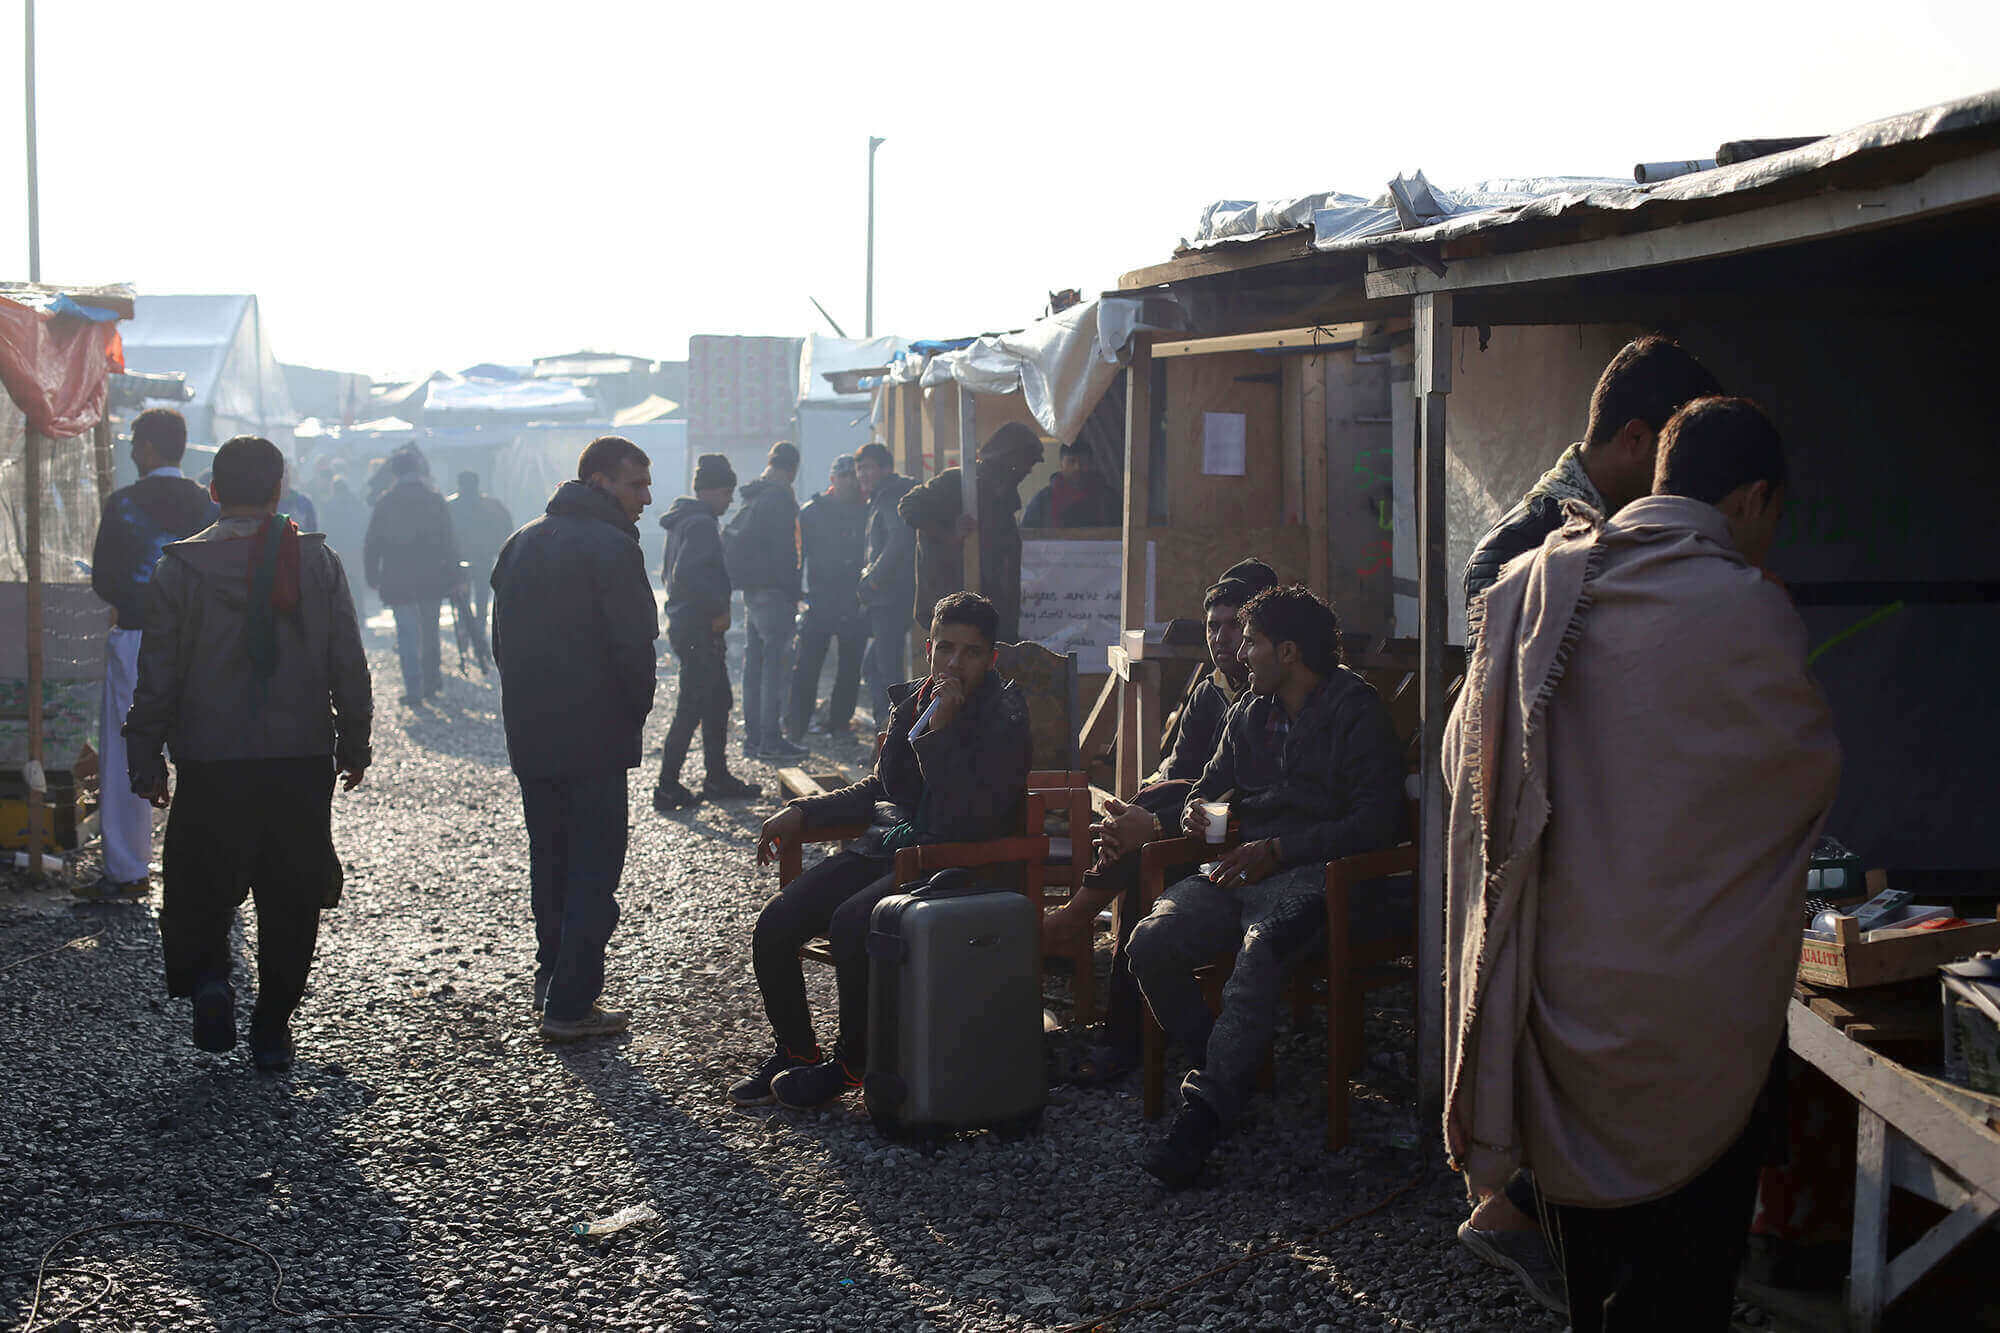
x,y
1310,767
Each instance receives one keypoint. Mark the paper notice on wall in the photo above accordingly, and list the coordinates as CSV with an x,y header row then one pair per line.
x,y
1071,593
1222,443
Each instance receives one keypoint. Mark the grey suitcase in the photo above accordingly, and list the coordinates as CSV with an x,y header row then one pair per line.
x,y
954,1011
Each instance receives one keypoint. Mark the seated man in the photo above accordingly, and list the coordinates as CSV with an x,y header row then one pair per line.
x,y
1076,497
955,766
1155,812
1311,768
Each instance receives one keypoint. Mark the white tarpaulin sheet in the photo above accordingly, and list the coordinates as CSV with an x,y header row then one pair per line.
x,y
555,398
820,355
1071,592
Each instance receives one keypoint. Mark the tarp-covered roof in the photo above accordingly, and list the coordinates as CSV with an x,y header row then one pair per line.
x,y
526,397
216,342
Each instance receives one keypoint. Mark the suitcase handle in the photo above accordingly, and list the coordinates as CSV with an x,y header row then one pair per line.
x,y
953,883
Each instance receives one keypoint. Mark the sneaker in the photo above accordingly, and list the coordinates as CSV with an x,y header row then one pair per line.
x,y
809,1087
105,889
729,787
599,1022
271,1051
782,752
215,1016
1526,1255
756,1090
1177,1160
671,796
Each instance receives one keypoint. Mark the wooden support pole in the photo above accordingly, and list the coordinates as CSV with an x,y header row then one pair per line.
x,y
968,475
32,447
1433,385
100,440
1315,483
1138,504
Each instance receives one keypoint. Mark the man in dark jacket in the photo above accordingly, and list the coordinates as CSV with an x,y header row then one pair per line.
x,y
761,548
936,510
481,525
1311,769
1646,383
252,673
697,583
411,559
139,522
1075,497
888,574
1155,812
955,766
573,634
833,534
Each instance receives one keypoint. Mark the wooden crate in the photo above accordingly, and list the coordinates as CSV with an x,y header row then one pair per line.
x,y
1893,955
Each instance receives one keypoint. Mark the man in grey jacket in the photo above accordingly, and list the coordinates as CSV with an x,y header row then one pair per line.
x,y
761,548
888,574
252,670
573,635
697,582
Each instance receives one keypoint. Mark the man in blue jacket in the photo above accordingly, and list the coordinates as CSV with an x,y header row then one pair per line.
x,y
573,634
139,521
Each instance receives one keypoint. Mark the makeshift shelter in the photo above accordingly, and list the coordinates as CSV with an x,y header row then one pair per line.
x,y
218,343
58,348
834,409
1829,281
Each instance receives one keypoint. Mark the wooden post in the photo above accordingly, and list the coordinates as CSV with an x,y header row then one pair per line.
x,y
968,481
100,439
1138,516
1433,385
1314,495
1865,1296
31,488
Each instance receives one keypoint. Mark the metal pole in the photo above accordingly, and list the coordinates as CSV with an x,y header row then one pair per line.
x,y
1433,317
34,189
868,307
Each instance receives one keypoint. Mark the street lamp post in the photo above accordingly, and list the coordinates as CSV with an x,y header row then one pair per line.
x,y
868,307
34,206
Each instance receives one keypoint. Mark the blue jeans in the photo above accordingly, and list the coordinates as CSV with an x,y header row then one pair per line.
x,y
882,666
577,829
767,664
418,647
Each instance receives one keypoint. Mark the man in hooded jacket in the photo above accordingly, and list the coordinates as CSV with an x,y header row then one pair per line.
x,y
252,671
410,557
936,509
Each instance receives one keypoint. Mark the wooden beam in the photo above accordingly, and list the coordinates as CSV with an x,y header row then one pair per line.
x,y
31,524
1433,385
1225,257
1315,496
1323,335
968,482
1963,183
1138,505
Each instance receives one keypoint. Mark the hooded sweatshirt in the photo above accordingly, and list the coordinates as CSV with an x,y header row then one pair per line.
x,y
694,572
762,544
197,689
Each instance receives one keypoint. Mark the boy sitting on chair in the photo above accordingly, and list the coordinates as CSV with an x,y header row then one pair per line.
x,y
1310,766
955,767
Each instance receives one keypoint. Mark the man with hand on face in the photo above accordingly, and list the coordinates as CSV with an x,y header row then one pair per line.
x,y
1312,770
697,581
573,635
1154,812
955,766
252,672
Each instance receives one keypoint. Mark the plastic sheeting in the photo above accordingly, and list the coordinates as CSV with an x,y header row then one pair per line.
x,y
542,398
217,342
821,355
1245,219
55,367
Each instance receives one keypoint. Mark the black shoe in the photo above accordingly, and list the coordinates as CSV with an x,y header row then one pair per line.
x,y
809,1087
729,787
215,1016
272,1052
782,751
1177,1159
756,1090
671,796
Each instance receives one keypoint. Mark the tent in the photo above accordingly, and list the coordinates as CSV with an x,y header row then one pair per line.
x,y
217,342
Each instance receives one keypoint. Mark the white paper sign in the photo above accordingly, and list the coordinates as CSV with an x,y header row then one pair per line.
x,y
1222,443
1070,596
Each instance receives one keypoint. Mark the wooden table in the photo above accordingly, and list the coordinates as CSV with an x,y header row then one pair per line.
x,y
1915,1133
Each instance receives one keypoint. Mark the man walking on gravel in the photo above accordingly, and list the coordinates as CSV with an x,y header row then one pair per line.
x,y
955,766
411,559
762,546
252,670
573,635
697,583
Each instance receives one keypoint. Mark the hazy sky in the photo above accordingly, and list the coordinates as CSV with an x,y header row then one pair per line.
x,y
417,185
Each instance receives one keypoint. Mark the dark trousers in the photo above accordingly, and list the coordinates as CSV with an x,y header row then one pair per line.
x,y
238,828
1122,1000
1666,1266
834,899
418,647
888,648
576,852
816,635
703,700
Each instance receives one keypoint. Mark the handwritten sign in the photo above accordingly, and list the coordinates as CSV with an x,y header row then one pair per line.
x,y
1070,595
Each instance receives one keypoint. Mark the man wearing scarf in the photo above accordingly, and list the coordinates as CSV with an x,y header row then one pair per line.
x,y
1639,765
252,672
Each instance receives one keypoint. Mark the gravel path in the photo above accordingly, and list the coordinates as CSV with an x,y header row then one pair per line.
x,y
429,1154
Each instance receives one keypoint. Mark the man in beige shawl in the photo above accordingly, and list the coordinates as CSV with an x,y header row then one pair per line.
x,y
1639,765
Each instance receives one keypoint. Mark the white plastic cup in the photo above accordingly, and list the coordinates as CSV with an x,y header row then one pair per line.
x,y
1218,819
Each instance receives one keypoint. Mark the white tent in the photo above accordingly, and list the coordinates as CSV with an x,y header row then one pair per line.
x,y
217,342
